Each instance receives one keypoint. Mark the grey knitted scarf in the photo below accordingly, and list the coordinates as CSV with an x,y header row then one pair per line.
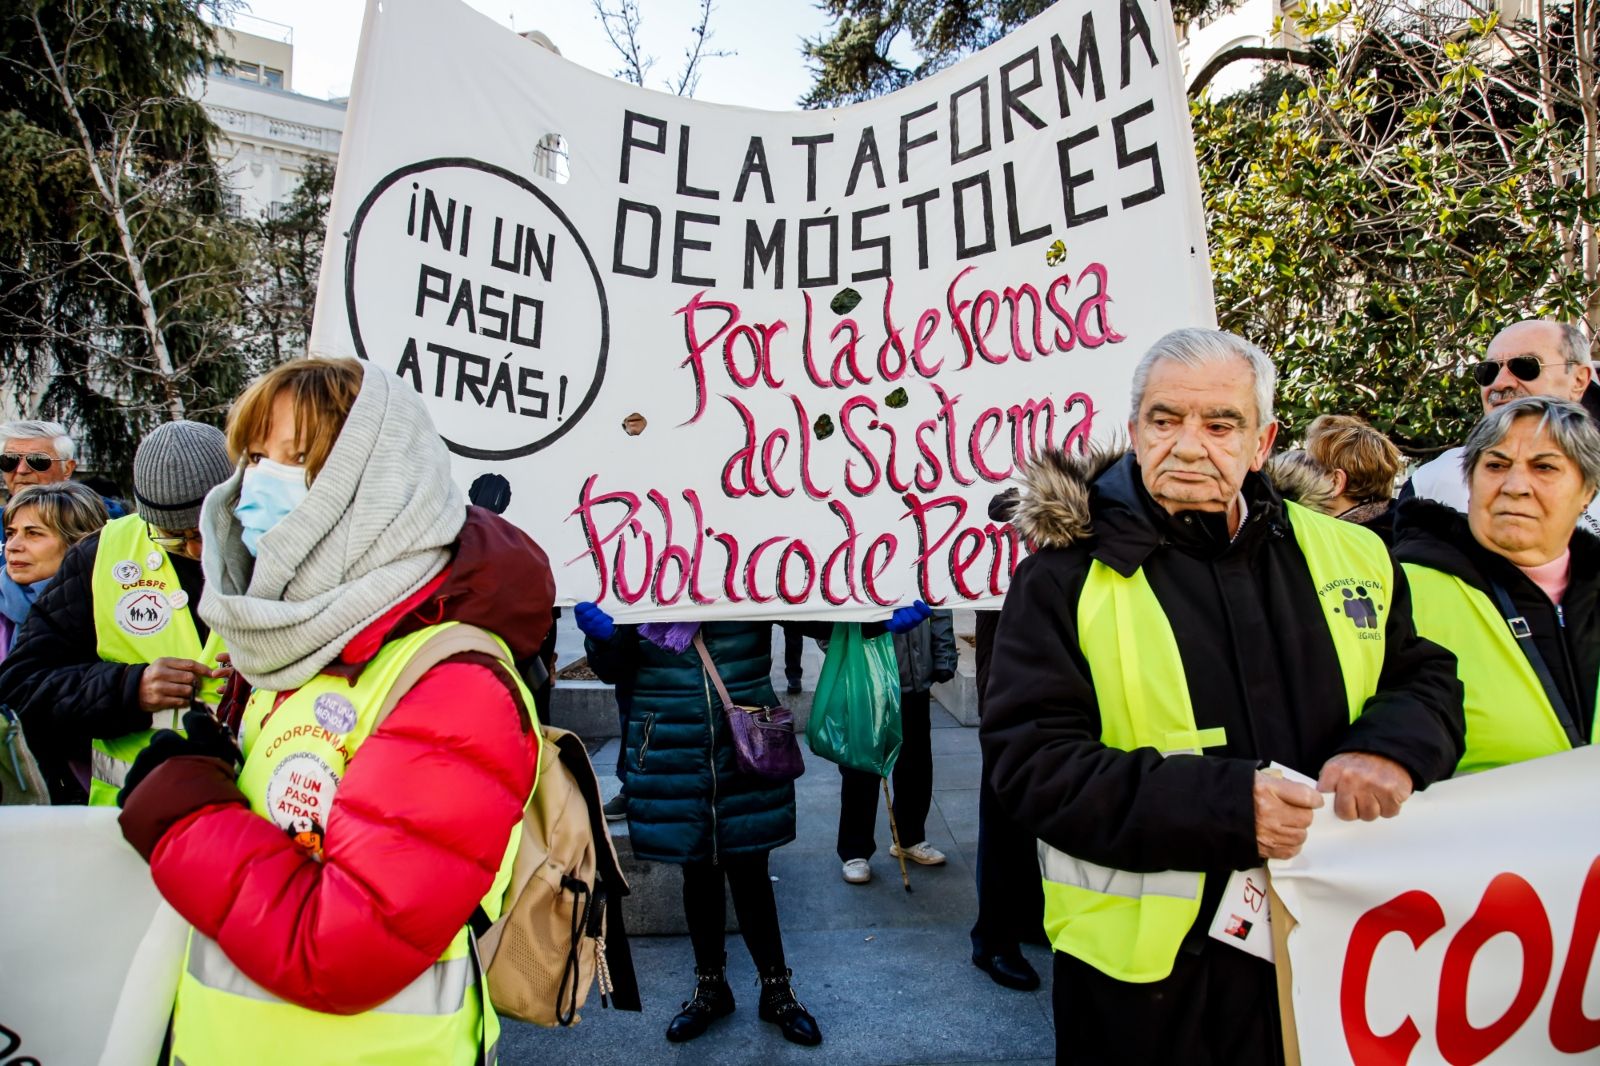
x,y
375,527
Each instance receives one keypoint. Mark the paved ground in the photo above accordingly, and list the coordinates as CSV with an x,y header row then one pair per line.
x,y
886,974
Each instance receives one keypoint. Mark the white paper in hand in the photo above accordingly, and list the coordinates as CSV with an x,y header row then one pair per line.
x,y
1243,919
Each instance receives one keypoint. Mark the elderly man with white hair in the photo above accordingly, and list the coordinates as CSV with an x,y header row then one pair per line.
x,y
35,453
1180,633
1534,357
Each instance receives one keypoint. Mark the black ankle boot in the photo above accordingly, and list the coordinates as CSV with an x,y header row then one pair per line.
x,y
712,999
779,1006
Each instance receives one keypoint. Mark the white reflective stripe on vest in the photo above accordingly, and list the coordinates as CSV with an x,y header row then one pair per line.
x,y
441,988
113,771
103,767
1059,868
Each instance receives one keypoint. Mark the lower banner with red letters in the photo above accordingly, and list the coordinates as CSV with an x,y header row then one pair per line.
x,y
1462,931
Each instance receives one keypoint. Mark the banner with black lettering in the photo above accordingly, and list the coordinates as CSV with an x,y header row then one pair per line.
x,y
1461,931
722,362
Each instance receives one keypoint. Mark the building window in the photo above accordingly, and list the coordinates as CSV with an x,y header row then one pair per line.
x,y
247,72
272,79
233,204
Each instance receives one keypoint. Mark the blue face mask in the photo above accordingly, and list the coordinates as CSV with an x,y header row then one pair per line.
x,y
267,494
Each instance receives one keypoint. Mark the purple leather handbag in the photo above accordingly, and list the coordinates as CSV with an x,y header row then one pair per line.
x,y
764,741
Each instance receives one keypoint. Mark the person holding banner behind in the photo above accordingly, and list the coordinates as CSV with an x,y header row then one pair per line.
x,y
1179,633
1512,587
331,878
691,803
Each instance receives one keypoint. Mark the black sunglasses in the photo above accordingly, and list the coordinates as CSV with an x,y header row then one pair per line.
x,y
38,461
1523,367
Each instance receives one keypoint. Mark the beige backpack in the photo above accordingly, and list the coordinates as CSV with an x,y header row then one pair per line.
x,y
561,923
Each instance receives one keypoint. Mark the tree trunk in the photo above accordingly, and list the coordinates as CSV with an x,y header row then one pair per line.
x,y
110,192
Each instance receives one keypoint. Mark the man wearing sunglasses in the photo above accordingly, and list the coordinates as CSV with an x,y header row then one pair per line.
x,y
1534,357
35,453
115,648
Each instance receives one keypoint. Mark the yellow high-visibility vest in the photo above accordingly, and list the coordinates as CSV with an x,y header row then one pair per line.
x,y
295,757
141,614
1130,925
1509,715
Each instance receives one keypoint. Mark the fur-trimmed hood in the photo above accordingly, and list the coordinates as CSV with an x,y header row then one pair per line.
x,y
1053,510
1297,479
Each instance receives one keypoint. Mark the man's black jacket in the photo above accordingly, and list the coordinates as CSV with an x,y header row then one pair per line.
x,y
55,680
1258,660
1438,537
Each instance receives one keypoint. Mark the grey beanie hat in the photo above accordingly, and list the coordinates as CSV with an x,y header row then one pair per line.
x,y
174,468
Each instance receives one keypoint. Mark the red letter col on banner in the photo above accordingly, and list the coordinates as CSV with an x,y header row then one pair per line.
x,y
1463,931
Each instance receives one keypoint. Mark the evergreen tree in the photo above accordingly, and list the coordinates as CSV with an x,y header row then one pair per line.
x,y
120,273
853,63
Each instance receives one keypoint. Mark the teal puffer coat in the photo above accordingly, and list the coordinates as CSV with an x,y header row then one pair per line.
x,y
687,799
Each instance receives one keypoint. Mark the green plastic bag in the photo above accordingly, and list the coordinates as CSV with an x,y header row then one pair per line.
x,y
855,716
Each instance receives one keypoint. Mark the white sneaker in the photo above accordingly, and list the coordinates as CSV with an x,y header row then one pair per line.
x,y
924,853
857,872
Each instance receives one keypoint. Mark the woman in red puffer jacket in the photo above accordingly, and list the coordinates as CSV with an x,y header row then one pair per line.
x,y
331,876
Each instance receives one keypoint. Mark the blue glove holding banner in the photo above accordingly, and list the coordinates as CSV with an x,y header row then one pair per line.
x,y
593,621
905,619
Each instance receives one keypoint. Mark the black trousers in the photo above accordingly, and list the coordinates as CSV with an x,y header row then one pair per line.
x,y
1010,894
1217,1008
913,787
794,644
704,906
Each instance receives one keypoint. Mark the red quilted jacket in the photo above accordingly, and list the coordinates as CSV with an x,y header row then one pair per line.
x,y
419,823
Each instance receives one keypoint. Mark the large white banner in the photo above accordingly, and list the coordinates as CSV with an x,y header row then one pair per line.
x,y
89,954
739,363
1461,931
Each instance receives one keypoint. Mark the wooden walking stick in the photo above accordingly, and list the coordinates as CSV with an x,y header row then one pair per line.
x,y
894,834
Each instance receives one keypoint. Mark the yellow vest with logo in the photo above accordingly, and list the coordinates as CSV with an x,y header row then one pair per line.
x,y
295,757
141,614
1509,715
1130,925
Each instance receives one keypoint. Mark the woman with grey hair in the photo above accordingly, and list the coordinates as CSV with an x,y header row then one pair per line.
x,y
1511,587
41,522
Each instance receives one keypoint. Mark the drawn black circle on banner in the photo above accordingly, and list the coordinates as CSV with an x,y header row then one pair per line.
x,y
484,360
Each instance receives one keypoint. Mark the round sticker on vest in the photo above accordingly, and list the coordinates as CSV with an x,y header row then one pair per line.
x,y
127,572
301,790
152,562
143,612
179,600
334,713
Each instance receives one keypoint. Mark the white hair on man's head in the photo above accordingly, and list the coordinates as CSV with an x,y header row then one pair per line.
x,y
1208,347
29,429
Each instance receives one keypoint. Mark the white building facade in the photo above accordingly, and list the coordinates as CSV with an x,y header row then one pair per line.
x,y
269,132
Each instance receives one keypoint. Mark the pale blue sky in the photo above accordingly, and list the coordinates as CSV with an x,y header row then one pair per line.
x,y
768,71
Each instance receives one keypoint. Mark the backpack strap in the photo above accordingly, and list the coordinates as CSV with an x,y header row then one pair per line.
x,y
448,643
611,885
